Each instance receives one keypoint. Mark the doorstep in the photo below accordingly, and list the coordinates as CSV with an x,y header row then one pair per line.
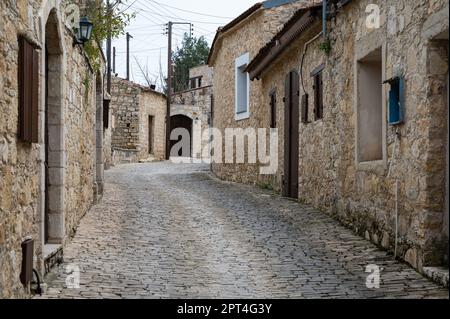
x,y
437,274
53,256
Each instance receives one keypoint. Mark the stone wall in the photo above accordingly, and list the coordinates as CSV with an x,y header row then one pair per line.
x,y
205,72
155,105
22,168
196,104
249,36
363,195
131,106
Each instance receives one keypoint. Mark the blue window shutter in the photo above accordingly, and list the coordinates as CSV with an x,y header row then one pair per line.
x,y
396,101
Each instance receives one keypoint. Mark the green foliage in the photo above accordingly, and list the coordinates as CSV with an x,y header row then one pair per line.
x,y
193,52
325,46
105,22
265,185
87,84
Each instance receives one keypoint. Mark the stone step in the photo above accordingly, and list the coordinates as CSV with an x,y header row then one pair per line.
x,y
437,274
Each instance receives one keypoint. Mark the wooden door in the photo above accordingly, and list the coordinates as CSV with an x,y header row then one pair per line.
x,y
291,135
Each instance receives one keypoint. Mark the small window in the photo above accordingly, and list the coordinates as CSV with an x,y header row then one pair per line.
x,y
196,82
28,91
242,87
318,96
193,84
370,107
273,109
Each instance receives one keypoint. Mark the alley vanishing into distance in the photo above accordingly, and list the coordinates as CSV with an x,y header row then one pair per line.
x,y
164,230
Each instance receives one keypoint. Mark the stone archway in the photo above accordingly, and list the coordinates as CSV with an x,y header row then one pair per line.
x,y
99,131
54,166
185,122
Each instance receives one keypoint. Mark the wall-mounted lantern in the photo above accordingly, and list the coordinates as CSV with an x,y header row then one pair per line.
x,y
84,31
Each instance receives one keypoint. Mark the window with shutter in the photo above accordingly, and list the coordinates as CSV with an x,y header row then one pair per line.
x,y
318,96
28,69
273,109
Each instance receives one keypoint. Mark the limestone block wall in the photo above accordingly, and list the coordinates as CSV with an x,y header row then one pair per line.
x,y
155,105
131,106
125,106
249,36
331,179
205,72
79,96
22,170
195,104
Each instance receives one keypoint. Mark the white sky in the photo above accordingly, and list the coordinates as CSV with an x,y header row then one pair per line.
x,y
149,44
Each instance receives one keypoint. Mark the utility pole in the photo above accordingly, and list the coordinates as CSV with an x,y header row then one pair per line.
x,y
169,89
128,55
169,80
108,50
114,60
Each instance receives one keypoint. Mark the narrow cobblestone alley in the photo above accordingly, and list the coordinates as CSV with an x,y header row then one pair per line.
x,y
172,231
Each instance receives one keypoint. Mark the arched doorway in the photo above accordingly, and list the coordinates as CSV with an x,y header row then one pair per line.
x,y
54,225
183,122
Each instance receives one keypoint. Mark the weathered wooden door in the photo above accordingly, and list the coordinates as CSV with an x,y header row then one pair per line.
x,y
291,135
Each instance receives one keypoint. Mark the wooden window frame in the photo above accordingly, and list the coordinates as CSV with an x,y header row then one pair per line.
x,y
28,78
318,96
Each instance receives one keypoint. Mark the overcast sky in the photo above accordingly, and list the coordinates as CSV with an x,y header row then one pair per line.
x,y
149,44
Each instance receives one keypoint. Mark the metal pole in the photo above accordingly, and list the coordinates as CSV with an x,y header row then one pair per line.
x,y
114,60
128,55
108,52
169,90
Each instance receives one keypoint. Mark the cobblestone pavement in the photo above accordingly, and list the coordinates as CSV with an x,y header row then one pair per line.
x,y
171,231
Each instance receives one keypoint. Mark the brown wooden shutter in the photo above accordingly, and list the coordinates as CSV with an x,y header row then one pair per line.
x,y
28,92
318,96
273,110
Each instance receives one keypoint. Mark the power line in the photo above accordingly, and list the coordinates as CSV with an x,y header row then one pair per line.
x,y
143,50
174,17
193,12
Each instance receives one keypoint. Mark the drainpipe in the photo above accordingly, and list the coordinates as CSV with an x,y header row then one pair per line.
x,y
324,18
305,48
397,189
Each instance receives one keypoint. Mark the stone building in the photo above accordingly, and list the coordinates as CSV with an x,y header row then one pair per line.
x,y
138,122
362,119
191,109
51,136
233,48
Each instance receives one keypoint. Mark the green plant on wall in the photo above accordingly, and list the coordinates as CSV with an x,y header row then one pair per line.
x,y
106,22
326,46
87,84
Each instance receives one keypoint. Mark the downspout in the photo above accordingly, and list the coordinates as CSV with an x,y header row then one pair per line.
x,y
305,48
397,189
324,18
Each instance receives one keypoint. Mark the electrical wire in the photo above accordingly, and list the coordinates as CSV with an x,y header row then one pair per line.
x,y
193,12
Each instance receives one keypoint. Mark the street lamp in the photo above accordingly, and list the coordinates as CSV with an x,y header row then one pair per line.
x,y
84,32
